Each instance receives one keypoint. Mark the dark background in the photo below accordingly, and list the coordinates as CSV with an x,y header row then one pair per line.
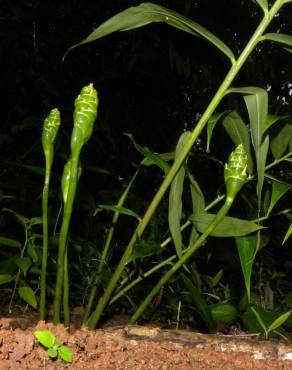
x,y
153,82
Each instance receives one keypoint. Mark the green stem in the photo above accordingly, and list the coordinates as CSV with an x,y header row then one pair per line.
x,y
45,239
277,161
141,277
217,219
163,263
63,239
66,292
106,248
236,66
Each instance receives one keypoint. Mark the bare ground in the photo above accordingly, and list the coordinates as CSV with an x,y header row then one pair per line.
x,y
138,347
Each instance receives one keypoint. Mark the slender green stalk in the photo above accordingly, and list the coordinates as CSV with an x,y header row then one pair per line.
x,y
221,92
50,129
63,239
163,263
45,243
217,219
277,161
66,293
234,177
84,116
106,248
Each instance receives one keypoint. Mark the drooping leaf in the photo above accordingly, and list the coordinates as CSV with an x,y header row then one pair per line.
x,y
280,38
27,294
239,134
246,246
24,264
280,140
8,242
256,100
200,302
5,278
278,191
175,199
215,118
146,13
154,158
121,210
45,337
228,227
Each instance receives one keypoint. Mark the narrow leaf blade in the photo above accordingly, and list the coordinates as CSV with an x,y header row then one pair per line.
x,y
246,247
228,227
175,199
146,13
279,321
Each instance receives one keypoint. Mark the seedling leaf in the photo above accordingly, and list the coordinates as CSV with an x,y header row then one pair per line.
x,y
45,337
65,354
52,352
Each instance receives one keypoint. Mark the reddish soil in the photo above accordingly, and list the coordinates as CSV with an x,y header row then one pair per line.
x,y
138,347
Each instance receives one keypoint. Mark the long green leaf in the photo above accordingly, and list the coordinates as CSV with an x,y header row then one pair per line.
x,y
175,199
260,321
279,321
239,134
8,242
145,13
154,158
278,191
6,278
121,210
228,227
256,100
280,38
246,247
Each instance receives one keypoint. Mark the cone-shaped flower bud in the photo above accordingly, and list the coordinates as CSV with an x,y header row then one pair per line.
x,y
235,172
84,116
50,129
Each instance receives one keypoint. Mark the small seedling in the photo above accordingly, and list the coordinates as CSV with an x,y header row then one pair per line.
x,y
274,325
49,341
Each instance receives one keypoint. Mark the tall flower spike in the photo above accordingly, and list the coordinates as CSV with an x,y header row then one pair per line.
x,y
235,172
50,129
84,116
